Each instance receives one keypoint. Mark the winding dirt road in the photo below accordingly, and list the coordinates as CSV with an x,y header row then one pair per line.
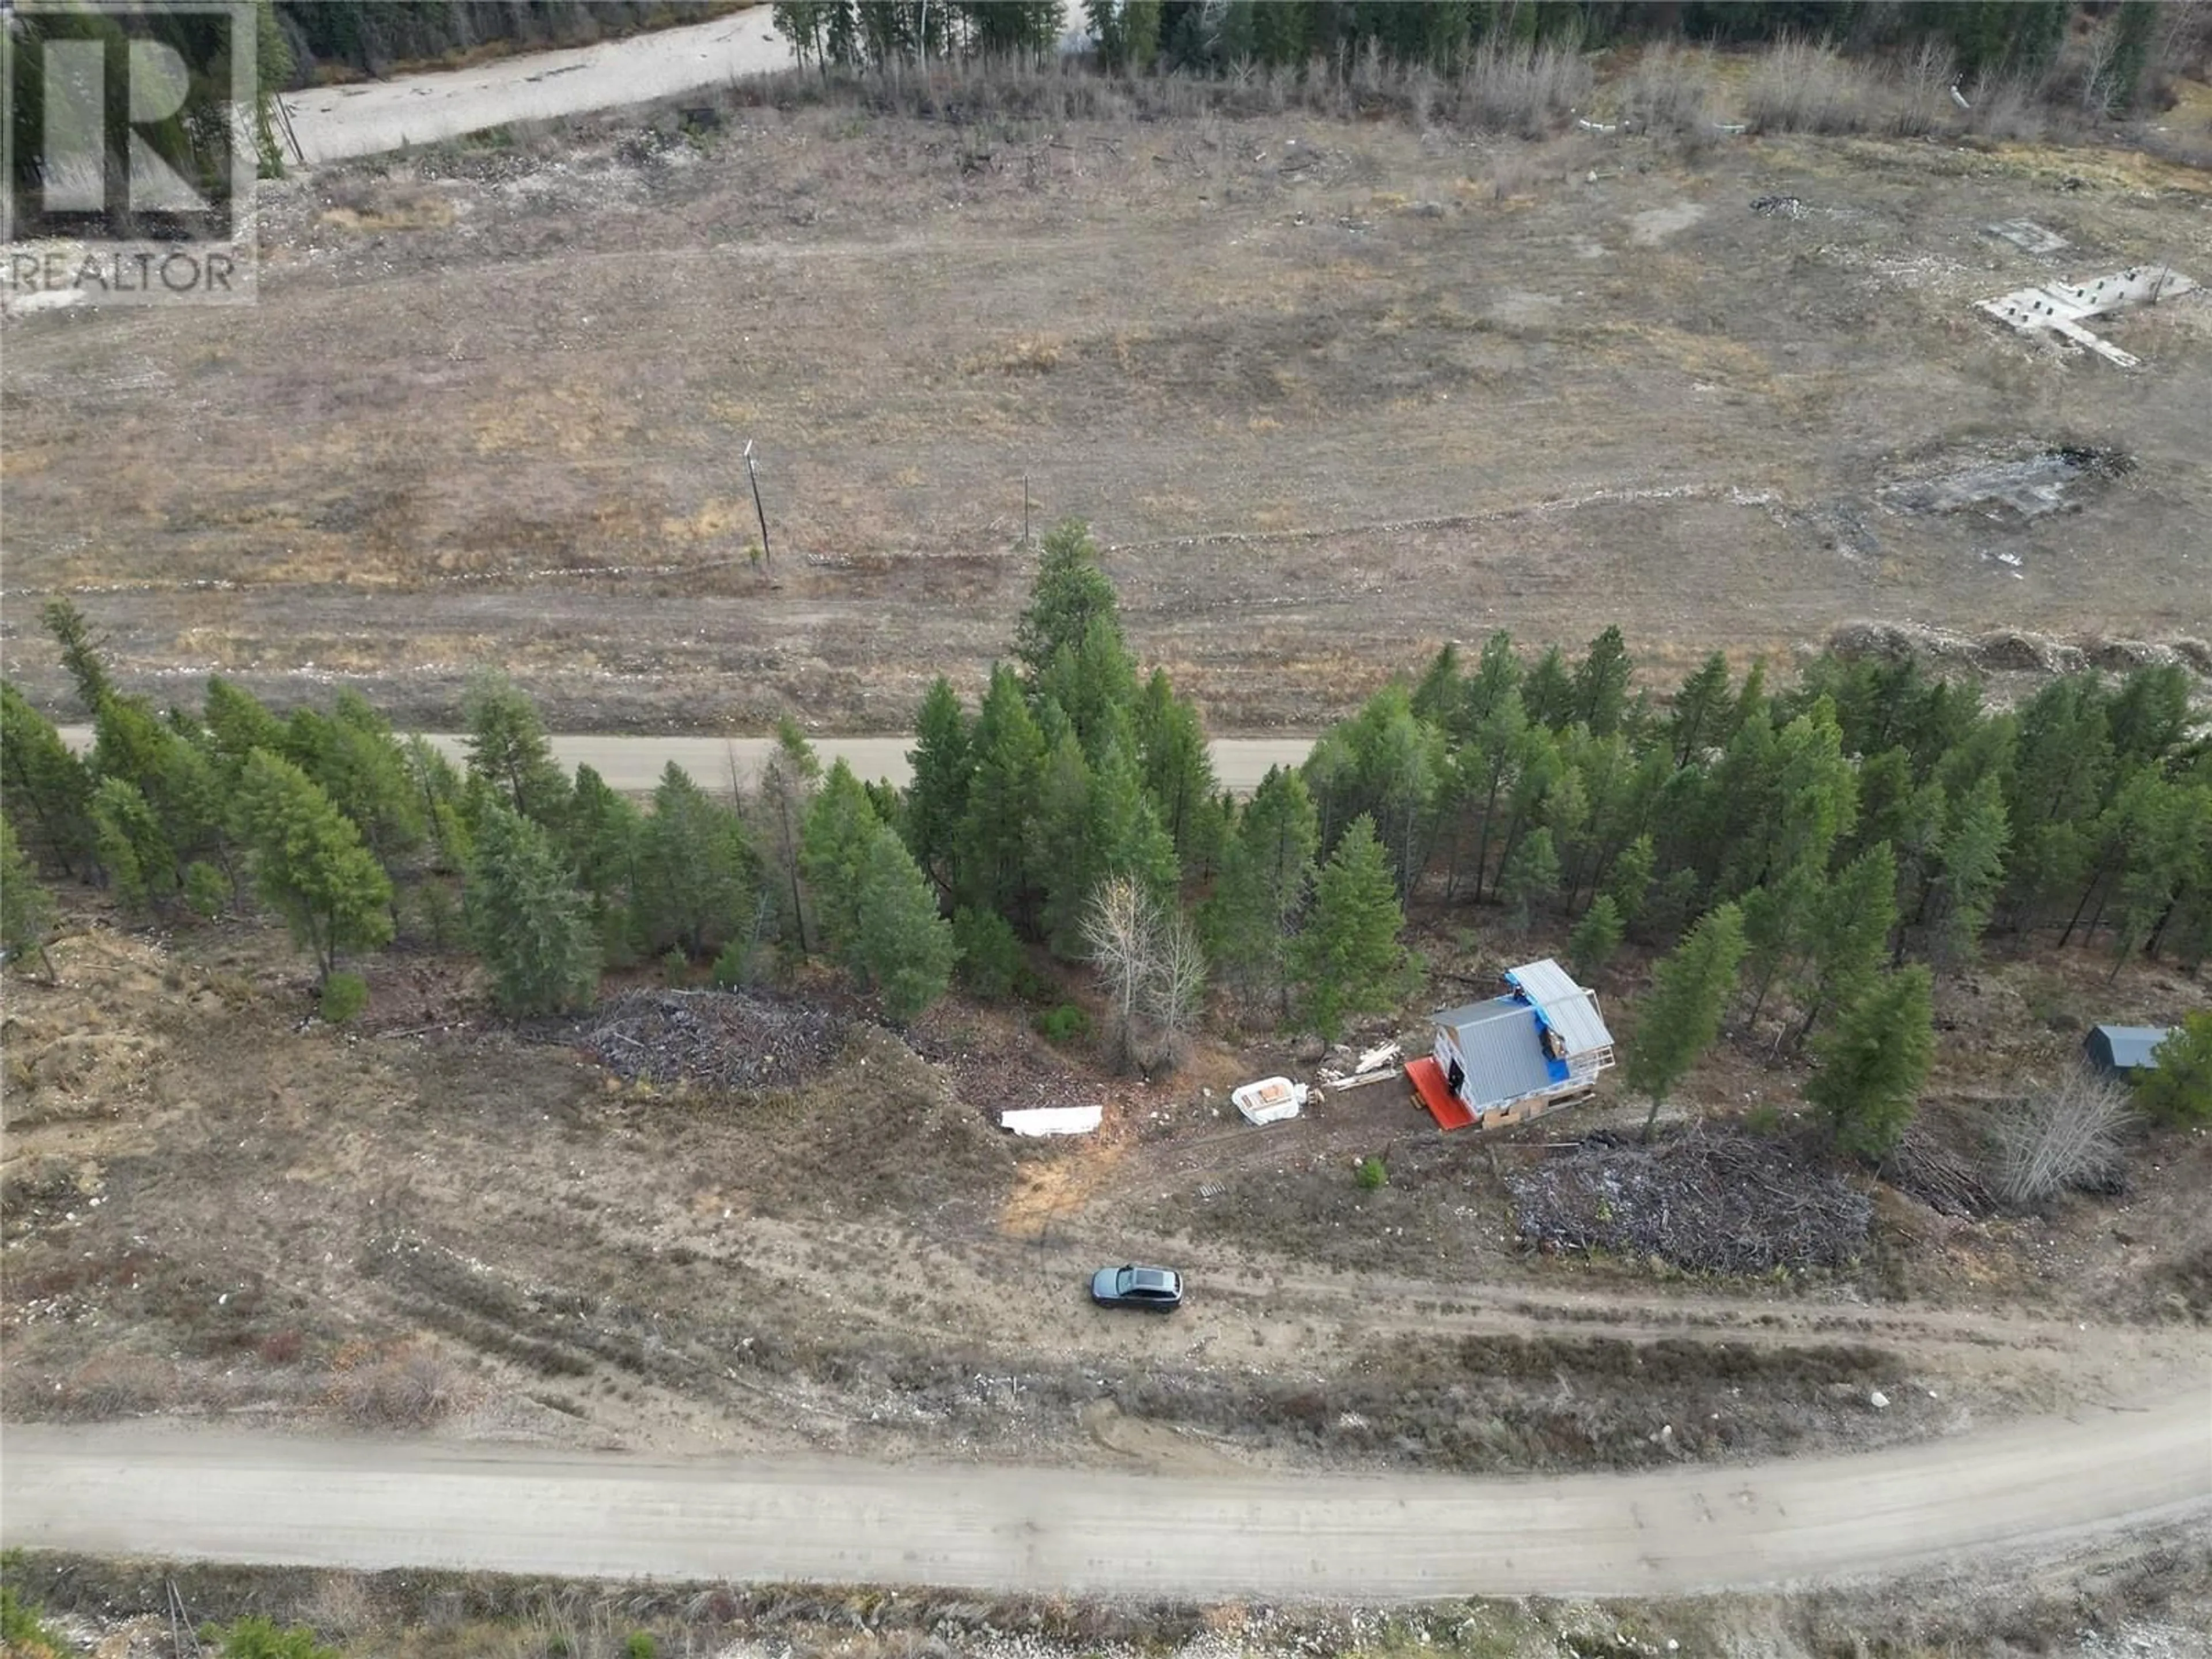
x,y
231,1498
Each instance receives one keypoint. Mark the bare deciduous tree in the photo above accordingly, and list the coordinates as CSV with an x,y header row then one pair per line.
x,y
1176,986
1154,969
2061,1136
1119,927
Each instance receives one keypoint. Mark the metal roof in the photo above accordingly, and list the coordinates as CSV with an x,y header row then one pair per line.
x,y
2129,1046
1566,1007
1501,1050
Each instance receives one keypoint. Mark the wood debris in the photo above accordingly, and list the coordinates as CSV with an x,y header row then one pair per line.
x,y
1720,1203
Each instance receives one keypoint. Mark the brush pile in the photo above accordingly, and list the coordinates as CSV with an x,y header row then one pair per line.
x,y
724,1039
1709,1203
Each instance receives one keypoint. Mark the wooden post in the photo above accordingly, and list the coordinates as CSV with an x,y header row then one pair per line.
x,y
759,512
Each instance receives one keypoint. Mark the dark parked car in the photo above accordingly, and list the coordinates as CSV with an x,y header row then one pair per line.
x,y
1137,1287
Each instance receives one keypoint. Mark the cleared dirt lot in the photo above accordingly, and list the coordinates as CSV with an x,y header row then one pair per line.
x,y
1332,391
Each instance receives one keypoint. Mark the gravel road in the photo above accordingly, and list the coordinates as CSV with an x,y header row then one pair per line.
x,y
633,765
226,1496
371,116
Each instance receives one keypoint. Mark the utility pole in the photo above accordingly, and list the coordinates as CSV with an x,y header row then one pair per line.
x,y
759,512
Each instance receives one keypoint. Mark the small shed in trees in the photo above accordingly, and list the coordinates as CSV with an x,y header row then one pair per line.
x,y
2122,1051
1539,1047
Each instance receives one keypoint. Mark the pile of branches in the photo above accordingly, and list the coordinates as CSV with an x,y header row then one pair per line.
x,y
727,1039
1707,1202
1926,1164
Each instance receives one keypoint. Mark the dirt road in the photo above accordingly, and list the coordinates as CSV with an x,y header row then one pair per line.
x,y
633,765
363,119
238,1499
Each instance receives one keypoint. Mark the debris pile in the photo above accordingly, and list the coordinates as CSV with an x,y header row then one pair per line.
x,y
730,1039
1720,1203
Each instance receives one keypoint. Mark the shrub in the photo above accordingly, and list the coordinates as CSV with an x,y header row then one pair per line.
x,y
991,964
1372,1175
344,996
1802,86
641,1645
257,1637
2067,1135
1668,95
22,1630
675,968
207,891
738,964
1065,1024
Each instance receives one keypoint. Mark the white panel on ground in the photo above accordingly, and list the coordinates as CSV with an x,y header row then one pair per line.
x,y
1052,1120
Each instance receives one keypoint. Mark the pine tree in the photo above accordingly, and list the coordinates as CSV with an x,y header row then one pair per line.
x,y
80,654
1970,872
2178,1089
1549,693
1126,836
1066,850
698,879
1872,1063
840,828
1700,707
1438,694
1852,924
1678,1019
902,945
1178,771
1601,683
992,868
309,863
1094,682
602,837
530,925
27,909
1531,876
358,762
1267,871
238,723
1349,960
46,785
1628,884
174,776
1595,939
506,748
129,844
937,799
442,799
1070,592
788,781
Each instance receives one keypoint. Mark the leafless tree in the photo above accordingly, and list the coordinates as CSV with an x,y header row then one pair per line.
x,y
1154,969
1121,931
1175,985
2059,1136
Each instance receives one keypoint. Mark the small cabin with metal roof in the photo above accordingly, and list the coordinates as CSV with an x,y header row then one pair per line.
x,y
1540,1045
2122,1051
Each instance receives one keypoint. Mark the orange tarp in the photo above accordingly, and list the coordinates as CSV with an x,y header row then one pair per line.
x,y
1427,1078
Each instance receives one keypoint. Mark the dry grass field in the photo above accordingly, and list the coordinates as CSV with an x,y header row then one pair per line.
x,y
1332,391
